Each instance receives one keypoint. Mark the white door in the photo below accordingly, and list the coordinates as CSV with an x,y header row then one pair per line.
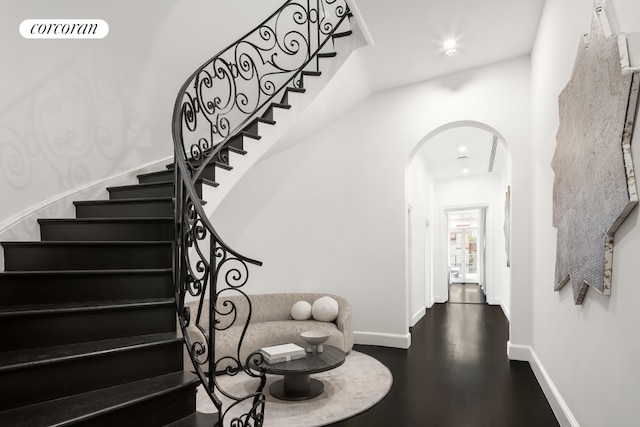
x,y
463,246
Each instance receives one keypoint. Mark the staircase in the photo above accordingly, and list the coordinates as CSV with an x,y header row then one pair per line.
x,y
87,317
88,314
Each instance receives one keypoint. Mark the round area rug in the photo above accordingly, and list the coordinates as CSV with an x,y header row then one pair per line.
x,y
357,385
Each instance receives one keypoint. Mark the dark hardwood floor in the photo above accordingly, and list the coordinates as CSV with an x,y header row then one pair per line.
x,y
466,293
456,374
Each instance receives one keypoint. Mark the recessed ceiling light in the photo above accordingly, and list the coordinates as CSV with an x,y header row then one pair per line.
x,y
465,171
462,148
450,48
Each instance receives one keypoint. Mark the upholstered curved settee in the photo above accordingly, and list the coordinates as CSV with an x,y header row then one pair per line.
x,y
271,324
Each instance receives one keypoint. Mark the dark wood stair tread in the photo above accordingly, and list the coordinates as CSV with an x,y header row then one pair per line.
x,y
132,200
65,286
167,176
84,272
229,146
156,184
128,207
55,243
280,105
342,34
220,165
34,310
266,121
104,220
237,150
38,356
149,184
86,406
249,134
197,419
87,255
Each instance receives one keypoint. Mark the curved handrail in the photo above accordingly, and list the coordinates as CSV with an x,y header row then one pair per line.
x,y
214,105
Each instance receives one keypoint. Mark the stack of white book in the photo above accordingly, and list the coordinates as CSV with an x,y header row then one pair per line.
x,y
282,353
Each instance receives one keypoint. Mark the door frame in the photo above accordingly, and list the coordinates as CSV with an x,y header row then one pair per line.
x,y
482,239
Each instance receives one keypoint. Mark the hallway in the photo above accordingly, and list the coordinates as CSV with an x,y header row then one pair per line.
x,y
466,293
456,374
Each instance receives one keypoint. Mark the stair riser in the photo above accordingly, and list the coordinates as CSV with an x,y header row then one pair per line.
x,y
134,192
286,96
25,386
156,230
57,257
151,209
252,128
47,329
56,289
142,191
309,73
163,176
269,112
237,142
156,412
209,173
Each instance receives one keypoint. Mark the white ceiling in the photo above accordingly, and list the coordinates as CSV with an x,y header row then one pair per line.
x,y
408,35
407,38
444,158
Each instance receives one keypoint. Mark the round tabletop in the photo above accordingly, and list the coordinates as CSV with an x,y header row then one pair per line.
x,y
330,358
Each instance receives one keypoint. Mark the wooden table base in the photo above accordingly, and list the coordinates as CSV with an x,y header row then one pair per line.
x,y
296,387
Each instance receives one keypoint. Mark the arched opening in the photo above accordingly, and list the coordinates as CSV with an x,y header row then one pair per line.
x,y
462,166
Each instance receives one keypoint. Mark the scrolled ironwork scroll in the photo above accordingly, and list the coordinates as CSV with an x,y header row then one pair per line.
x,y
237,84
220,99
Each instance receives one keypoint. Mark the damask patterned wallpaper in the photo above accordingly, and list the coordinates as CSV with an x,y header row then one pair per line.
x,y
77,112
80,124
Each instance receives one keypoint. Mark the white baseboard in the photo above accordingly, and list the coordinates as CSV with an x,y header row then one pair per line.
x,y
558,405
505,310
518,352
498,301
417,316
382,339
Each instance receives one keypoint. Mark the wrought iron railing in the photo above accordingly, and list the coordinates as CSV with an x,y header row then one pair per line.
x,y
220,99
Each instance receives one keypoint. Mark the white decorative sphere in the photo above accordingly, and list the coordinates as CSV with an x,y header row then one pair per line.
x,y
301,311
325,309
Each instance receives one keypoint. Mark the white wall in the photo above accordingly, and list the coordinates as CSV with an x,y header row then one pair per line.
x,y
329,214
421,201
589,353
76,112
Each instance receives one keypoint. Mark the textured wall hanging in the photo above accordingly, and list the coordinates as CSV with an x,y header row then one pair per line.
x,y
594,187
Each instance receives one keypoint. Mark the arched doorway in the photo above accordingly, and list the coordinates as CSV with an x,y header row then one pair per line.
x,y
457,166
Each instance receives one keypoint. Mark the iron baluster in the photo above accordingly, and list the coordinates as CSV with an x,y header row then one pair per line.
x,y
220,99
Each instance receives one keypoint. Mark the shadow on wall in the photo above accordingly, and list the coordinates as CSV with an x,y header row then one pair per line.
x,y
80,124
